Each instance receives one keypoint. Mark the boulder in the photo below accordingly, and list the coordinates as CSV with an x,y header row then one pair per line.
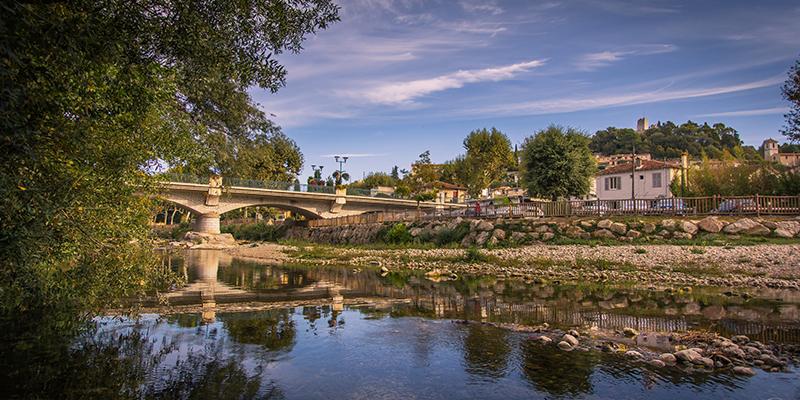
x,y
573,232
657,363
688,355
482,237
499,234
746,226
710,224
547,236
544,339
688,227
788,227
664,233
564,346
468,240
648,227
740,370
605,224
570,339
681,235
587,224
603,234
519,237
630,332
484,226
203,240
619,228
667,358
668,224
633,234
633,354
542,229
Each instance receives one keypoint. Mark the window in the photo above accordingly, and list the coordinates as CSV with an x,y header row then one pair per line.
x,y
613,183
657,179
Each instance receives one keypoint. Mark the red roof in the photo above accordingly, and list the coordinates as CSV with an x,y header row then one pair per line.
x,y
645,165
447,186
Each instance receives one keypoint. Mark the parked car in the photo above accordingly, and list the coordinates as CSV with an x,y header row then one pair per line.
x,y
732,206
596,208
666,205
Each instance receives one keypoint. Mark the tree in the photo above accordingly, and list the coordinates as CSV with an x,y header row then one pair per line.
x,y
375,179
425,157
96,95
395,174
791,92
668,140
557,163
489,157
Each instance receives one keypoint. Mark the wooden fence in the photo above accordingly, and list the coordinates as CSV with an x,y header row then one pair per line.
x,y
674,206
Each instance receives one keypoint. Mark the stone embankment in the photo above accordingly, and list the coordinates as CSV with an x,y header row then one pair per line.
x,y
498,232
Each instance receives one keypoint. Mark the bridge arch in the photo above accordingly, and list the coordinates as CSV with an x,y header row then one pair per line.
x,y
305,212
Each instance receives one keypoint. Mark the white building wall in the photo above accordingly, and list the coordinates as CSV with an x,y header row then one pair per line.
x,y
643,185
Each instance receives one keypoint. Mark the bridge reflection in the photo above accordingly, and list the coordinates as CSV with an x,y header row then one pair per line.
x,y
218,281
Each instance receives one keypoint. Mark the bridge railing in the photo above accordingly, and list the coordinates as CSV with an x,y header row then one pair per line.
x,y
756,205
252,183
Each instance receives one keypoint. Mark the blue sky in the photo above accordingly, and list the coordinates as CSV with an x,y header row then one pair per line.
x,y
396,78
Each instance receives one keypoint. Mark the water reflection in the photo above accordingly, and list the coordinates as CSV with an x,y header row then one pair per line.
x,y
220,282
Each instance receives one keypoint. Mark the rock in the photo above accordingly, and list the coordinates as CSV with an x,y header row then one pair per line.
x,y
384,269
667,358
747,226
657,363
575,333
544,339
630,332
740,370
619,228
482,238
493,241
499,234
519,237
564,346
603,234
203,240
573,232
688,355
570,339
783,233
587,224
542,229
633,354
547,236
633,234
710,224
681,235
648,227
688,227
706,362
789,227
664,233
668,224
468,240
769,224
605,224
484,226
415,232
374,262
740,339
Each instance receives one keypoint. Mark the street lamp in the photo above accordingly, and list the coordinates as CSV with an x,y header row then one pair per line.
x,y
340,174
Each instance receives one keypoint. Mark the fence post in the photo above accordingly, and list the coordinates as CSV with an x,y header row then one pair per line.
x,y
758,206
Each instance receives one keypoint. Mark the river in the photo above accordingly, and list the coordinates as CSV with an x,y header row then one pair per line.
x,y
240,329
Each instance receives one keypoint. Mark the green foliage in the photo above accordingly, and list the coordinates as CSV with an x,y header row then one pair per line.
x,y
667,140
397,234
97,94
475,255
259,231
557,163
731,178
455,235
489,157
375,179
640,250
791,93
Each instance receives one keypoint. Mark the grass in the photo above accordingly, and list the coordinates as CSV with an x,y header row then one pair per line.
x,y
640,250
697,250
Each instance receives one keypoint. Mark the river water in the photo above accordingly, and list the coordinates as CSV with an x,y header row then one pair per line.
x,y
240,329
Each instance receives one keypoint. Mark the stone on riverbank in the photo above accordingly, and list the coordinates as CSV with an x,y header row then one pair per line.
x,y
210,241
564,346
740,370
688,355
570,339
711,225
603,234
747,226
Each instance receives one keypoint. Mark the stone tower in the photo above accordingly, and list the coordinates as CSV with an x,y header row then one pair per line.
x,y
641,124
770,149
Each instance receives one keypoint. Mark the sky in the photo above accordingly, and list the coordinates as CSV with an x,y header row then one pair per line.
x,y
394,78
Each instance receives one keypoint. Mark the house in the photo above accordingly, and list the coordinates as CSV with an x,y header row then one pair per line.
x,y
450,193
382,191
773,153
650,180
604,162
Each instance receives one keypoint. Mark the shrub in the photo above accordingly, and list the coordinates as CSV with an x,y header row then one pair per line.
x,y
455,235
474,255
640,250
397,234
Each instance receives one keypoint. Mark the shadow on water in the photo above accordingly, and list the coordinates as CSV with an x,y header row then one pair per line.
x,y
240,329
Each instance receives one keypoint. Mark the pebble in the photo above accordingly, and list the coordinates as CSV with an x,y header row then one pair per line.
x,y
743,371
657,363
634,354
667,358
570,339
564,346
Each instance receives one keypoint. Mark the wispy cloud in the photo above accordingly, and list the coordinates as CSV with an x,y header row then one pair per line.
x,y
478,7
404,93
563,105
592,61
748,113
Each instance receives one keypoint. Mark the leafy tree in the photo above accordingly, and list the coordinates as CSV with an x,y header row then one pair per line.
x,y
375,179
97,94
425,157
395,174
791,92
667,140
423,174
557,162
488,158
455,171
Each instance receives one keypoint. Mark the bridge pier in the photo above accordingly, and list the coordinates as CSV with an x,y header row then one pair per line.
x,y
207,223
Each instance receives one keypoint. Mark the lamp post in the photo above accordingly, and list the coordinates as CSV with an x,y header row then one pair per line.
x,y
341,160
317,173
633,178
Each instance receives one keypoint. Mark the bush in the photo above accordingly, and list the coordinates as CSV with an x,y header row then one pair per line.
x,y
474,255
258,231
455,235
397,234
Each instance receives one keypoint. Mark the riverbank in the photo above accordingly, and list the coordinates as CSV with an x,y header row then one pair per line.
x,y
768,265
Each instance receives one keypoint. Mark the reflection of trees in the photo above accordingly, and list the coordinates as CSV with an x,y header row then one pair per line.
x,y
486,351
558,372
273,329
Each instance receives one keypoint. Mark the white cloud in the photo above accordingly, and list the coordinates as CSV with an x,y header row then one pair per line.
x,y
400,93
563,105
591,61
355,155
748,113
482,7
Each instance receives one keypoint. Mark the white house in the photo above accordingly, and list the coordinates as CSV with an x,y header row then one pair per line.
x,y
650,180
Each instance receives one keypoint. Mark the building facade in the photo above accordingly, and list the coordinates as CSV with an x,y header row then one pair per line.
x,y
772,152
649,180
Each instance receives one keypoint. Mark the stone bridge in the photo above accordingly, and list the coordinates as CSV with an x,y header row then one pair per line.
x,y
209,201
